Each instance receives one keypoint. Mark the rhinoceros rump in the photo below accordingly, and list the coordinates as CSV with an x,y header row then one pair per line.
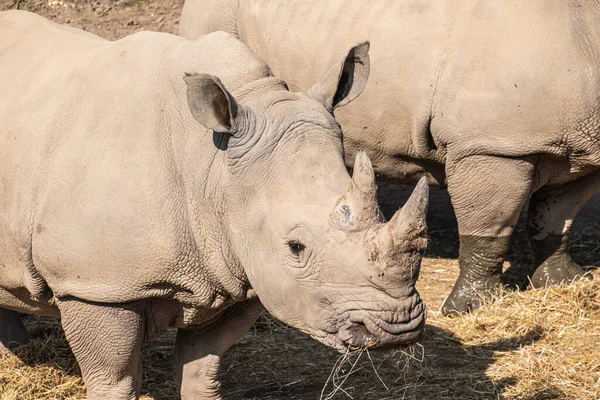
x,y
498,100
138,194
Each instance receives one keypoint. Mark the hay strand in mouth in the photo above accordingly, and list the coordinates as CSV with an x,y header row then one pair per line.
x,y
335,377
375,370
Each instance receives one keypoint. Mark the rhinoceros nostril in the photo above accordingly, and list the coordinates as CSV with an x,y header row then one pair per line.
x,y
357,335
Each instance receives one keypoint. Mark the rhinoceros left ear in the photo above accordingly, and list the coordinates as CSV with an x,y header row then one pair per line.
x,y
344,81
210,103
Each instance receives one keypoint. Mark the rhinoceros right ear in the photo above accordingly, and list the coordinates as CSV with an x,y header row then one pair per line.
x,y
344,81
210,103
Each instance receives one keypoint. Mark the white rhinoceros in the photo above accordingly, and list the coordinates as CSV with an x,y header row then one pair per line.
x,y
498,100
139,194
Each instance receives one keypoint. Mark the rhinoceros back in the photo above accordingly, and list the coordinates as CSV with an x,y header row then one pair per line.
x,y
507,78
93,198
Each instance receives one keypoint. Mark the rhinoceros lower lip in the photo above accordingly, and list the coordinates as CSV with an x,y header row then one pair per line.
x,y
356,335
403,339
371,335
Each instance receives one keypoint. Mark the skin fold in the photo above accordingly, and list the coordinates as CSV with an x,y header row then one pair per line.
x,y
156,182
498,101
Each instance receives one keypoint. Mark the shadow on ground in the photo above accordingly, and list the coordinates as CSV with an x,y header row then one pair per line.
x,y
274,361
443,368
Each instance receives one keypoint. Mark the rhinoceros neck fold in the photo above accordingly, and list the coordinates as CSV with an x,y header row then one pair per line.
x,y
258,87
201,164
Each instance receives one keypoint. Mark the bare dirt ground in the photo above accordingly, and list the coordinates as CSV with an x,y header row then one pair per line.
x,y
527,345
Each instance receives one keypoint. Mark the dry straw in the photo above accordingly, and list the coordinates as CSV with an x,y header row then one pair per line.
x,y
535,344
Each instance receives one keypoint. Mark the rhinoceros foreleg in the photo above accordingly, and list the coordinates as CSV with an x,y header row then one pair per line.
x,y
551,214
487,195
107,342
12,330
198,350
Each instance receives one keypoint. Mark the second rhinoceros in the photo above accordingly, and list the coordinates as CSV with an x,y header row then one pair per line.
x,y
138,194
498,100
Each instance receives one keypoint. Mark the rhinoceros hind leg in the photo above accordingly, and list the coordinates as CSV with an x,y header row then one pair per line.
x,y
107,343
487,194
551,214
198,350
12,330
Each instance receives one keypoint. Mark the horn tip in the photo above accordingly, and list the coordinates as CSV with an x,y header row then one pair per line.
x,y
361,155
422,185
362,161
423,191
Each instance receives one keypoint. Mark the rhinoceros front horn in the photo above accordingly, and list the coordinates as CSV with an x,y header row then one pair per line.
x,y
411,220
357,208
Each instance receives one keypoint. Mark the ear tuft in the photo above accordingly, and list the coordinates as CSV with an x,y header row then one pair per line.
x,y
210,103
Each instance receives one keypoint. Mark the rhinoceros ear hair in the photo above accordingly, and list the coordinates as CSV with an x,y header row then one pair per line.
x,y
210,103
344,81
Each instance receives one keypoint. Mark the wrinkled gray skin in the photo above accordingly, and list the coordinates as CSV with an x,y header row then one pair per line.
x,y
139,194
498,100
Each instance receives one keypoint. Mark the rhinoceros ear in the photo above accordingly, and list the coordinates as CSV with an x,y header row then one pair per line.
x,y
344,81
210,103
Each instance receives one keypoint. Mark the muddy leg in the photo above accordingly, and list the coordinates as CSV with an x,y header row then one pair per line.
x,y
107,342
12,330
198,351
551,214
487,195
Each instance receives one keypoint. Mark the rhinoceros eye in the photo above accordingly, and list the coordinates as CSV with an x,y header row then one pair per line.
x,y
296,247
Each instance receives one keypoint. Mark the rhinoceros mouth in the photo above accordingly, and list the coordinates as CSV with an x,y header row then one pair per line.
x,y
379,334
379,327
357,335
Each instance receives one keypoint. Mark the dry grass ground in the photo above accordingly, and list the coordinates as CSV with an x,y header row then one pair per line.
x,y
533,344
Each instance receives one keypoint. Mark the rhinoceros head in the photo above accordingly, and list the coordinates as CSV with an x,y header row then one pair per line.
x,y
310,238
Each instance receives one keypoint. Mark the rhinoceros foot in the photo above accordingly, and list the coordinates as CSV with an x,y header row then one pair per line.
x,y
12,331
557,272
480,260
554,263
467,297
